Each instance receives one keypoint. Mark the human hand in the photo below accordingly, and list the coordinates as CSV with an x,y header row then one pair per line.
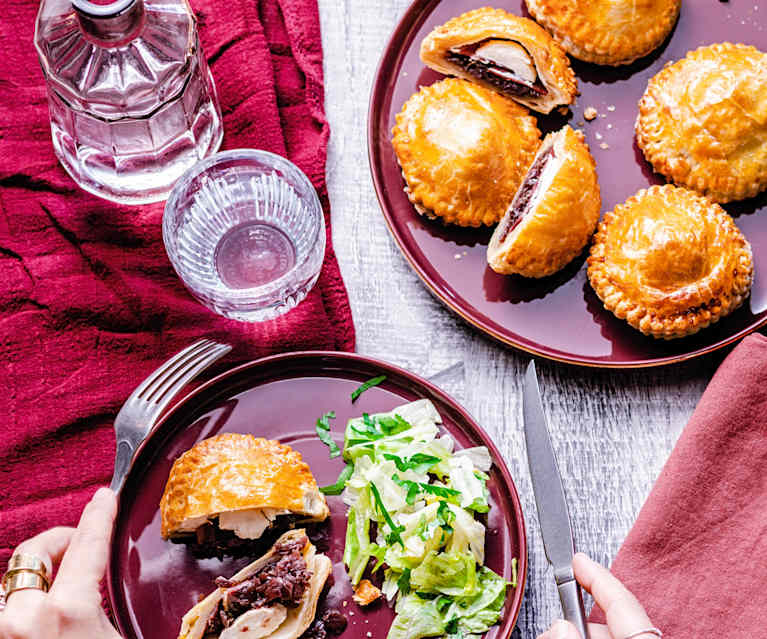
x,y
626,618
72,608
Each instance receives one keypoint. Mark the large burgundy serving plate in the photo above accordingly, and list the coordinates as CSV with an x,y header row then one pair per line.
x,y
152,583
559,317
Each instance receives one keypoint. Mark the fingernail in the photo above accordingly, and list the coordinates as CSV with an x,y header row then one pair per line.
x,y
560,630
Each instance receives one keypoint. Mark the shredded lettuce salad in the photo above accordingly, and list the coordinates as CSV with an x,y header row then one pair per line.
x,y
412,502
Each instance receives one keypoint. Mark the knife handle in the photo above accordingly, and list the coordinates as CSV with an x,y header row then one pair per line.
x,y
572,605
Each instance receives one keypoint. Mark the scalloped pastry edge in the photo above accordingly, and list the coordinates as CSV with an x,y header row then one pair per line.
x,y
682,323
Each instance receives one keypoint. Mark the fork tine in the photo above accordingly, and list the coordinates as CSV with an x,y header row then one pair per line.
x,y
149,381
173,369
174,384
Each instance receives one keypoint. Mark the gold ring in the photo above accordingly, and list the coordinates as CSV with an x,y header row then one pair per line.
x,y
23,580
31,563
25,571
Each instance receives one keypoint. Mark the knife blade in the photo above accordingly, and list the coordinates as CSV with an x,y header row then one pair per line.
x,y
550,502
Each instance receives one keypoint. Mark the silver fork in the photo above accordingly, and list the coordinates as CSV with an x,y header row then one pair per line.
x,y
141,410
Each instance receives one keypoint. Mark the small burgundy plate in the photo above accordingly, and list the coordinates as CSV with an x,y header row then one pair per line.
x,y
153,583
559,317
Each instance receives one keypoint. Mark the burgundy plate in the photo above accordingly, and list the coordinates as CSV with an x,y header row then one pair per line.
x,y
559,317
152,583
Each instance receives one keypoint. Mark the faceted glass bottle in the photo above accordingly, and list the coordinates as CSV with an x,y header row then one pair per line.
x,y
132,101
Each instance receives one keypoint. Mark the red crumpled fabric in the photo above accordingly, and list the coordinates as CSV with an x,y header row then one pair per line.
x,y
89,304
697,555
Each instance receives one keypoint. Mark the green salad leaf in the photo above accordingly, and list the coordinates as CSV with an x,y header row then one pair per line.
x,y
375,381
416,618
338,487
419,462
323,432
394,530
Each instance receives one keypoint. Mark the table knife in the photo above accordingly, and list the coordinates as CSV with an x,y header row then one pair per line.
x,y
551,504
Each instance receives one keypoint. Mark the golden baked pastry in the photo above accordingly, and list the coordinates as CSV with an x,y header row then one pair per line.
x,y
237,610
670,262
554,212
504,52
610,32
238,483
463,150
703,121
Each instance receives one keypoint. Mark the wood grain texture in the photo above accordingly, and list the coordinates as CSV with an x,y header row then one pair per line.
x,y
612,430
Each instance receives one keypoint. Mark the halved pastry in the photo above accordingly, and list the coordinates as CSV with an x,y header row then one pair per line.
x,y
554,212
226,491
703,121
670,262
610,32
504,52
463,150
275,596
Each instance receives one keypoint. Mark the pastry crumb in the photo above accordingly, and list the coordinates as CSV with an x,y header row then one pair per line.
x,y
581,123
457,256
609,126
590,113
611,107
598,136
604,145
368,634
345,603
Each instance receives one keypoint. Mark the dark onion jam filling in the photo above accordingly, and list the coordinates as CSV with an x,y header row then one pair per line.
x,y
332,622
523,197
282,580
499,76
211,541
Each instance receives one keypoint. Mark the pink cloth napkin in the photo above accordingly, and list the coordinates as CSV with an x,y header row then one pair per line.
x,y
89,304
697,555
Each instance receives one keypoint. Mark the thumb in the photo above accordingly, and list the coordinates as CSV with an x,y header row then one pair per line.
x,y
561,630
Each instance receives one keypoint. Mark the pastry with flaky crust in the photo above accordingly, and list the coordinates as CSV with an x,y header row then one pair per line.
x,y
504,52
463,150
276,596
233,487
703,121
554,212
670,262
610,32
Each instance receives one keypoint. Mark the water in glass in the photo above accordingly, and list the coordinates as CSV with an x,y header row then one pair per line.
x,y
245,232
132,101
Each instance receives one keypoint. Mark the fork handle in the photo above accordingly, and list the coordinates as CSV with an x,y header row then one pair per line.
x,y
122,464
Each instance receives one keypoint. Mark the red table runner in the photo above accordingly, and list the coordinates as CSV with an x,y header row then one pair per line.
x,y
89,304
697,555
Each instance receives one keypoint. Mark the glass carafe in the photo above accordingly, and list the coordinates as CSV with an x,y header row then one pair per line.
x,y
132,101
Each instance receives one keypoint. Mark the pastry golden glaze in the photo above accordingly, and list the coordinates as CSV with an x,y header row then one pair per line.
x,y
703,121
610,32
553,214
275,621
670,262
504,52
463,150
235,473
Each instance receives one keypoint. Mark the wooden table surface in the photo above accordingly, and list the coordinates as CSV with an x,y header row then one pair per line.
x,y
612,430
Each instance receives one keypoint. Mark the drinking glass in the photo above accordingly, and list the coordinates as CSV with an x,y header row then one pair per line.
x,y
245,232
